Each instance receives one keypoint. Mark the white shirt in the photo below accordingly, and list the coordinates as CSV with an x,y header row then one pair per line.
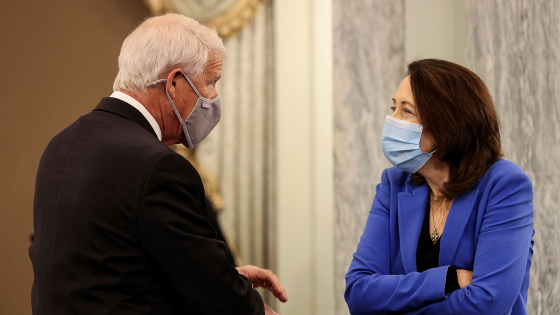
x,y
134,103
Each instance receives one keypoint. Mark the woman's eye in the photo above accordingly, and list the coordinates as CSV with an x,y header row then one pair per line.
x,y
393,109
406,111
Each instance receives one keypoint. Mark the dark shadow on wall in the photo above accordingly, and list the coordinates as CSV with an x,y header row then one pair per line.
x,y
58,58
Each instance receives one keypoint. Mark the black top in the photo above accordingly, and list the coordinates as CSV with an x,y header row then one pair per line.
x,y
213,218
427,254
122,227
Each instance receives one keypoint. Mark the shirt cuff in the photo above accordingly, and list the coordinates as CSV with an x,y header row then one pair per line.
x,y
451,281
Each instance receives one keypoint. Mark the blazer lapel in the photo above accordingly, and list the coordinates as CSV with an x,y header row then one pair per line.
x,y
457,219
123,109
411,210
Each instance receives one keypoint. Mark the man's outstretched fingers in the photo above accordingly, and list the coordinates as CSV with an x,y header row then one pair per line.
x,y
266,279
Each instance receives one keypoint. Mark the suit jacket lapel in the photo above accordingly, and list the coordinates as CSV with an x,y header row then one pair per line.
x,y
457,219
123,109
411,210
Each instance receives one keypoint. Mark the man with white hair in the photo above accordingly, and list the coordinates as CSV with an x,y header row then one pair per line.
x,y
120,219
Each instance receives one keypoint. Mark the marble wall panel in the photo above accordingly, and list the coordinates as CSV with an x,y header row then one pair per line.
x,y
545,287
352,204
368,52
514,46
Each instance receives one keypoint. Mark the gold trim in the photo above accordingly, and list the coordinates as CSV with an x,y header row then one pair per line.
x,y
159,7
226,24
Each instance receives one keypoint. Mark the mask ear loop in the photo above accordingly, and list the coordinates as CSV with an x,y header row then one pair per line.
x,y
424,127
168,97
192,86
185,130
156,82
204,99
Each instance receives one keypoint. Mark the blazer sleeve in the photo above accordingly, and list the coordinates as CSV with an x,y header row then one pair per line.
x,y
370,286
502,253
179,239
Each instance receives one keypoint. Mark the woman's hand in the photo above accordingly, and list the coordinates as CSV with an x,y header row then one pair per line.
x,y
464,277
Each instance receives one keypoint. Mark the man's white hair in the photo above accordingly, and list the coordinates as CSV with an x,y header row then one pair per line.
x,y
161,44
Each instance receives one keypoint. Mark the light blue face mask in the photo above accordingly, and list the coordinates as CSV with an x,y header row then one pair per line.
x,y
204,117
400,141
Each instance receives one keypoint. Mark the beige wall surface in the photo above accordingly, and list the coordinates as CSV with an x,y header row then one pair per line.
x,y
435,29
57,60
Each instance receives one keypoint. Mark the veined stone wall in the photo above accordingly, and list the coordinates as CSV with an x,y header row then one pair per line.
x,y
368,52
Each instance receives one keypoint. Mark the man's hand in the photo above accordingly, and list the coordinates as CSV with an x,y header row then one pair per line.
x,y
268,310
464,277
266,279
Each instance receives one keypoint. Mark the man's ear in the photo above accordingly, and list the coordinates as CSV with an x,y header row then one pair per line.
x,y
171,83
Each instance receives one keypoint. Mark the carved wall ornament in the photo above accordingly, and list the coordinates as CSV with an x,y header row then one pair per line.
x,y
227,17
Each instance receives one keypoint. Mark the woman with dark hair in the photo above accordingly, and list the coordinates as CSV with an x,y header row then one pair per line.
x,y
450,229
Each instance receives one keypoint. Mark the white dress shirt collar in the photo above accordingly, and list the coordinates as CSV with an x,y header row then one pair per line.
x,y
134,103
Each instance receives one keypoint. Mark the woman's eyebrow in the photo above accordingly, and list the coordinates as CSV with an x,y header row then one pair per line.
x,y
404,102
409,103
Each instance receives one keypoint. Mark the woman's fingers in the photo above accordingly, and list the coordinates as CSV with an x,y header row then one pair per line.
x,y
464,277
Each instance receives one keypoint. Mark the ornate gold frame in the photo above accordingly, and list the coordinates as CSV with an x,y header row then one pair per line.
x,y
226,24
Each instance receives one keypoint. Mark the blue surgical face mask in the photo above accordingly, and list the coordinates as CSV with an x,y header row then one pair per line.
x,y
400,141
204,117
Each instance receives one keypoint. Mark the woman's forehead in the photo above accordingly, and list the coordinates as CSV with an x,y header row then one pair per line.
x,y
404,92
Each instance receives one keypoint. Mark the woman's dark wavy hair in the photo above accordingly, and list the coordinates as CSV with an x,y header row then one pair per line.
x,y
456,107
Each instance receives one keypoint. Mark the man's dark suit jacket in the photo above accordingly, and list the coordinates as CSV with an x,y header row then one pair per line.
x,y
121,226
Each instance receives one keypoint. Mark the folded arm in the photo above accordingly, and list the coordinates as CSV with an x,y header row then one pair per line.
x,y
502,253
370,286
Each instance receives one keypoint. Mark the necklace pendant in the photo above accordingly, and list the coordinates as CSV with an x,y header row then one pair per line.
x,y
434,236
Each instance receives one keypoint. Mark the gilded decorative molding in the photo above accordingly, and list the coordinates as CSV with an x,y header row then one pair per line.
x,y
227,23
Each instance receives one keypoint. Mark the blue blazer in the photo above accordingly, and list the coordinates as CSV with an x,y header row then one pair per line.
x,y
489,230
